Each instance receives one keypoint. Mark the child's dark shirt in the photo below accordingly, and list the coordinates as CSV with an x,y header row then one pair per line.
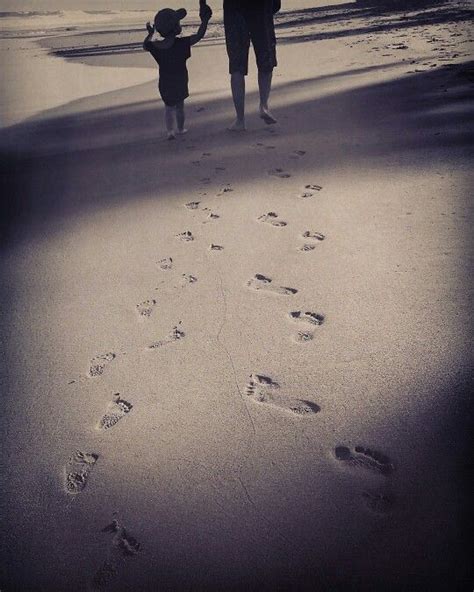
x,y
173,82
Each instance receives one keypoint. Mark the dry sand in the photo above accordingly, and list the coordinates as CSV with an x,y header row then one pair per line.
x,y
174,420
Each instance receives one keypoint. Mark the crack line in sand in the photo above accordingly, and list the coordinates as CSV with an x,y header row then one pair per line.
x,y
230,357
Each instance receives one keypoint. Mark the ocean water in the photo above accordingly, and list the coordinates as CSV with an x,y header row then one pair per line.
x,y
44,17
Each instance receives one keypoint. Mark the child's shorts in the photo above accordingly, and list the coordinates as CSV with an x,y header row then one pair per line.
x,y
245,22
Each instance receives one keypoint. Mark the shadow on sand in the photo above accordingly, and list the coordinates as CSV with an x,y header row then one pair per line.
x,y
99,158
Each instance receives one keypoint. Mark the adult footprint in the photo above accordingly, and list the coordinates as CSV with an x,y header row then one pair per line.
x,y
312,187
174,335
127,544
262,283
312,318
364,457
145,308
192,205
272,219
262,389
313,235
78,470
116,409
98,363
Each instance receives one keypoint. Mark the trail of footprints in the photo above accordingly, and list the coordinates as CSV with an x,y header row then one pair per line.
x,y
260,390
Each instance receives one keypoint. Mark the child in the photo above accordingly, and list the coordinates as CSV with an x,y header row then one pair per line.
x,y
171,54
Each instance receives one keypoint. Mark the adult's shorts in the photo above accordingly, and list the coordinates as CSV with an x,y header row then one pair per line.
x,y
250,21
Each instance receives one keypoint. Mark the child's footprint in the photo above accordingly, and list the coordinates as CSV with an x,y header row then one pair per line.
x,y
211,217
297,154
186,236
226,189
116,409
77,471
98,363
145,308
166,264
312,187
280,173
272,219
364,457
261,282
213,247
187,278
174,335
192,205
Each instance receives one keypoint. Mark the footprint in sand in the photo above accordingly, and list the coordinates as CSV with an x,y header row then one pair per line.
x,y
122,540
226,189
364,457
116,409
145,308
303,336
312,235
166,264
123,545
311,187
262,389
272,219
211,217
99,362
378,502
174,335
261,282
213,247
297,154
77,471
306,194
187,278
192,205
186,236
313,318
280,173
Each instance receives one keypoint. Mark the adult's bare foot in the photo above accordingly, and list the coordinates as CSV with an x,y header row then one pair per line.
x,y
267,116
237,126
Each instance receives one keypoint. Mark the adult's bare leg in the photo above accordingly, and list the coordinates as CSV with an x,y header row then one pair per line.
x,y
265,87
237,84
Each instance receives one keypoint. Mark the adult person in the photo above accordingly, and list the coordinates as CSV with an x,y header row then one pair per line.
x,y
248,21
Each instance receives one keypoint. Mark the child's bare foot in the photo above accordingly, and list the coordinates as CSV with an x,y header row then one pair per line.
x,y
237,126
183,131
266,115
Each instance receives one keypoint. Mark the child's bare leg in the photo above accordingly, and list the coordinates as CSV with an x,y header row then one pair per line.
x,y
170,116
180,118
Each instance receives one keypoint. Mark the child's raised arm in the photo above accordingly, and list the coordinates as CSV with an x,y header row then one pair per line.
x,y
205,14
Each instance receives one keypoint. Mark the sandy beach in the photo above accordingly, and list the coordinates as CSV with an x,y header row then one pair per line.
x,y
239,361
